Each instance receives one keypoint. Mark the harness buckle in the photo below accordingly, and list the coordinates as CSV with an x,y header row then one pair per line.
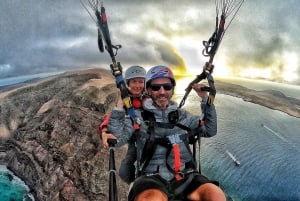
x,y
174,139
179,175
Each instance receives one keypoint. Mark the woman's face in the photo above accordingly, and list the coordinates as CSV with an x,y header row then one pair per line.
x,y
136,85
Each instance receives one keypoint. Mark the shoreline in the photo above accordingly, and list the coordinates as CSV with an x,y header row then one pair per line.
x,y
279,101
81,98
272,99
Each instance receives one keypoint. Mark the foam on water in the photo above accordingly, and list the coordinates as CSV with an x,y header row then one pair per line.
x,y
12,187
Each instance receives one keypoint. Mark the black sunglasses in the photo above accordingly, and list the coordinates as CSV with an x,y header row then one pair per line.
x,y
156,87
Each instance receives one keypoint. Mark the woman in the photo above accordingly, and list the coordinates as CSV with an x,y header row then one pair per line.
x,y
135,80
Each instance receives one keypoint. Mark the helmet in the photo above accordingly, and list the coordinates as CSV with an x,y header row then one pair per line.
x,y
133,72
159,72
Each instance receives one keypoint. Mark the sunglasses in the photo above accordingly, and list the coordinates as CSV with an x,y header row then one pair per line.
x,y
156,87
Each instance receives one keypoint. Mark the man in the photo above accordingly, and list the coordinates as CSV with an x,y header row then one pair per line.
x,y
135,80
166,169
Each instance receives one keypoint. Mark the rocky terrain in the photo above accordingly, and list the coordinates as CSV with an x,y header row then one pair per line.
x,y
49,135
48,132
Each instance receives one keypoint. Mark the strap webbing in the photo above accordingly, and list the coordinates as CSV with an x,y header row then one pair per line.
x,y
177,162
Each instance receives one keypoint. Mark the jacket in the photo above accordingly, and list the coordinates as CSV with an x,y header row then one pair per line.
x,y
162,158
137,104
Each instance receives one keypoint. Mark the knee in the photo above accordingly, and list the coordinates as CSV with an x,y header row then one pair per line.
x,y
151,195
207,192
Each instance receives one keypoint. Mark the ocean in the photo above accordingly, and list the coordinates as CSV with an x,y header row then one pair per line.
x,y
15,80
12,188
264,141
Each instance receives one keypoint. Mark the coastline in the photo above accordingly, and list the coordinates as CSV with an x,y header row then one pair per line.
x,y
54,140
272,99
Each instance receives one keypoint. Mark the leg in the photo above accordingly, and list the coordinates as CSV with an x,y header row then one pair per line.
x,y
151,195
127,168
149,188
207,192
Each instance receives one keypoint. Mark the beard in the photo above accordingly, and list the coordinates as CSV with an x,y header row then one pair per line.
x,y
161,101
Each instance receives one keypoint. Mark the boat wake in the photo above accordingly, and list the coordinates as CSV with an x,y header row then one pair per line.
x,y
221,147
280,137
237,163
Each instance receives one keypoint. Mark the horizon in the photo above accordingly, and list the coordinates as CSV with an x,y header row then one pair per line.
x,y
182,82
22,78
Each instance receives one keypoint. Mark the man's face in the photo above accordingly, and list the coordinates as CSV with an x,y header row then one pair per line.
x,y
161,91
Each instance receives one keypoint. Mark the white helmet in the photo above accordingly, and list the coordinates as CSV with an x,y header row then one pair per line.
x,y
133,72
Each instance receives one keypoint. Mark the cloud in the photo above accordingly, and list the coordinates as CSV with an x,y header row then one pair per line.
x,y
265,37
47,36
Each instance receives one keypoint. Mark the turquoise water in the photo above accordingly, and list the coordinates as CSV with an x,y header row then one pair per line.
x,y
12,188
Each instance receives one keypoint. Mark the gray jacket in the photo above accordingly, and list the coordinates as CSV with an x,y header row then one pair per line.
x,y
121,126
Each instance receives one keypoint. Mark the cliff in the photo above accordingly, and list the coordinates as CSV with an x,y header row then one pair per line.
x,y
49,135
48,132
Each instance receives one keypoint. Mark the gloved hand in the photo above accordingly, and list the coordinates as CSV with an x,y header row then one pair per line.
x,y
208,67
198,88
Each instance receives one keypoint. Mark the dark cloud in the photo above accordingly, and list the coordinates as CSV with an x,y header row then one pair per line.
x,y
47,36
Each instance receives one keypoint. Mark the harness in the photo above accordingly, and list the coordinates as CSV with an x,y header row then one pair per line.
x,y
137,104
170,142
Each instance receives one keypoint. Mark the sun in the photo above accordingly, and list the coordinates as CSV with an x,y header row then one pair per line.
x,y
220,70
181,84
190,49
291,61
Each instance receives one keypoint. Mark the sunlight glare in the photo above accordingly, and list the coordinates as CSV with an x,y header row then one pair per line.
x,y
192,14
181,84
174,26
220,69
288,73
291,61
256,73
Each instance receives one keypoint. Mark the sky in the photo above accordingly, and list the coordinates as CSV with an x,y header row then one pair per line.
x,y
262,41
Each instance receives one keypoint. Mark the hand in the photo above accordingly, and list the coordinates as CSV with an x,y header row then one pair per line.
x,y
119,101
197,88
105,136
